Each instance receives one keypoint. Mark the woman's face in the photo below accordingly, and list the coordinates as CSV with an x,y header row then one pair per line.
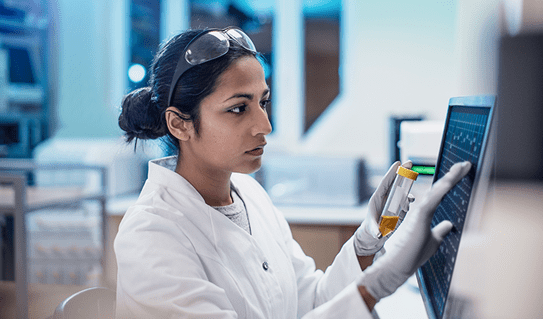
x,y
233,122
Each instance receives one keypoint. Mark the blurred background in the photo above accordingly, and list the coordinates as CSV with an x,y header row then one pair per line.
x,y
345,76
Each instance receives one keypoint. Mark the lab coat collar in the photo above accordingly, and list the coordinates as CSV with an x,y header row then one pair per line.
x,y
162,172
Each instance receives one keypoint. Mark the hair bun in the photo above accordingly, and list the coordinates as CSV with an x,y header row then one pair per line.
x,y
140,118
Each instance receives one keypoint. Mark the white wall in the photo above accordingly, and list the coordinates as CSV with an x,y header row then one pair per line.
x,y
404,58
477,43
397,58
92,67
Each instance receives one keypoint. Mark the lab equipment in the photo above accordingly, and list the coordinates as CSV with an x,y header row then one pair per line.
x,y
397,197
465,138
126,168
27,92
292,180
419,142
395,123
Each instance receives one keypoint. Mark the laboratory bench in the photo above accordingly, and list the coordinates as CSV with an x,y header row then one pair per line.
x,y
321,231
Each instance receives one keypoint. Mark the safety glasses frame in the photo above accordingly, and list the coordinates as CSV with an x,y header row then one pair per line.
x,y
208,45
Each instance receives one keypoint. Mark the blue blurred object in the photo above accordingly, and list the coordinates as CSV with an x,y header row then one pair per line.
x,y
26,116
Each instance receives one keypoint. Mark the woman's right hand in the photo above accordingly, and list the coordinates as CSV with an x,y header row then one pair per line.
x,y
367,238
414,242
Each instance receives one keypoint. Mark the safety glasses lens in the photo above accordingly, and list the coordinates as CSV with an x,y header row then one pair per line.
x,y
241,38
207,47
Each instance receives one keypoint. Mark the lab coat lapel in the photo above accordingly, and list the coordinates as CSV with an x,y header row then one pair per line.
x,y
231,243
216,227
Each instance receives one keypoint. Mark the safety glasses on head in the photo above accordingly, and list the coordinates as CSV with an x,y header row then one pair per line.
x,y
206,46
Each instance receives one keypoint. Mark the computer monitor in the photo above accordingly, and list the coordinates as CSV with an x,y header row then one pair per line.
x,y
466,137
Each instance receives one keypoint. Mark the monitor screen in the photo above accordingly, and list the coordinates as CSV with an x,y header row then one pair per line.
x,y
465,137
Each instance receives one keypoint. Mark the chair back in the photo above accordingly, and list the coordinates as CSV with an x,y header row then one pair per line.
x,y
91,303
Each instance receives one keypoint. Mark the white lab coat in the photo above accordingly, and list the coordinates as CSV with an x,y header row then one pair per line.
x,y
178,257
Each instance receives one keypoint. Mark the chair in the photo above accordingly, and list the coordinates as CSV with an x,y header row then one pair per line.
x,y
90,303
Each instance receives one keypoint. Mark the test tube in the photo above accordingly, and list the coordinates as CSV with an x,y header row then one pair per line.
x,y
397,196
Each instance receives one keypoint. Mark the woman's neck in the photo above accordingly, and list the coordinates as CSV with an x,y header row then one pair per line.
x,y
214,186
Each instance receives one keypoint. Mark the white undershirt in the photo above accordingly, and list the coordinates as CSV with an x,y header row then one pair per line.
x,y
236,212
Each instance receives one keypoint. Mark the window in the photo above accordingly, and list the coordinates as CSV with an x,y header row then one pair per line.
x,y
144,40
321,57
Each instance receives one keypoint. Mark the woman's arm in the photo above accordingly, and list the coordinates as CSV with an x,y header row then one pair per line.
x,y
365,261
159,274
367,297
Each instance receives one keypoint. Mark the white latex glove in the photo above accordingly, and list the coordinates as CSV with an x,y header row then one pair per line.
x,y
367,238
414,242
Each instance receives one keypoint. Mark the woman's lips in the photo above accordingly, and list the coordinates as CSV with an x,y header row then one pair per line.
x,y
256,152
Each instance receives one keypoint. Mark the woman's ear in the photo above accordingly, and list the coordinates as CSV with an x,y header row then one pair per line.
x,y
179,127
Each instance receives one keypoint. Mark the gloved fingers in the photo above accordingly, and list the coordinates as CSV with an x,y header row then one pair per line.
x,y
405,205
367,238
408,164
368,235
405,208
377,200
386,182
401,217
439,232
444,185
372,227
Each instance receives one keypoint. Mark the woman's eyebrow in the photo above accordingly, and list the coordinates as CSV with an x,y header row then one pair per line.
x,y
248,96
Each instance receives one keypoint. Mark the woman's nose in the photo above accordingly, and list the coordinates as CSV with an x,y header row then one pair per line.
x,y
262,124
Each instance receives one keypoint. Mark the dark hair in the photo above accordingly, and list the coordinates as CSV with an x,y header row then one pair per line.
x,y
143,110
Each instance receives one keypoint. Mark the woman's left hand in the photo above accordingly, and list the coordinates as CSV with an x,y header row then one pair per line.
x,y
367,238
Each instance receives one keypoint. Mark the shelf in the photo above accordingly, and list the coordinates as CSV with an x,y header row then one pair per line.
x,y
12,26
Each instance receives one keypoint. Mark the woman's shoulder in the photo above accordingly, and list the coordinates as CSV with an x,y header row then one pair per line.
x,y
155,209
146,215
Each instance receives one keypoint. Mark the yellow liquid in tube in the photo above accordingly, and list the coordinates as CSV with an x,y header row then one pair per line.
x,y
388,224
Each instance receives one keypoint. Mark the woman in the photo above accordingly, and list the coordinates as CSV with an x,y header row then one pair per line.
x,y
203,240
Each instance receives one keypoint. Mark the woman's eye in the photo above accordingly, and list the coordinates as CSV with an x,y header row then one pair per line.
x,y
265,103
238,109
